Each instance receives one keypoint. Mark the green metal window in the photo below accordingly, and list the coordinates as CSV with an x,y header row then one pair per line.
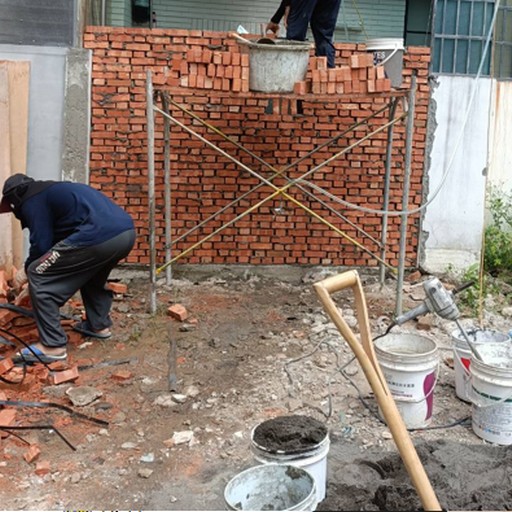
x,y
461,28
502,58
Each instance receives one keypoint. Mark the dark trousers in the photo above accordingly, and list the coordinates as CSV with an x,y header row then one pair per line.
x,y
57,275
322,16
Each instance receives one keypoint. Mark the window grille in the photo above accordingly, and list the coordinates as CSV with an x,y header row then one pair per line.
x,y
460,32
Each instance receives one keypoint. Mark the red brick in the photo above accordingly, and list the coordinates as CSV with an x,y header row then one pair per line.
x,y
178,312
32,453
5,365
117,287
122,375
7,417
65,376
42,468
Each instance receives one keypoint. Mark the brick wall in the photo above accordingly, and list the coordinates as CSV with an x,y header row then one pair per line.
x,y
208,74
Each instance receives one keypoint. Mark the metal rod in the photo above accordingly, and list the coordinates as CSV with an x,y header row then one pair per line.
x,y
385,200
474,350
280,172
409,135
151,188
278,191
277,173
167,188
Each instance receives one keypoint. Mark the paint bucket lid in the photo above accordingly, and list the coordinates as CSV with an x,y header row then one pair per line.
x,y
289,434
385,43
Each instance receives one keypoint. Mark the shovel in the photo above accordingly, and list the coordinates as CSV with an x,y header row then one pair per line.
x,y
365,354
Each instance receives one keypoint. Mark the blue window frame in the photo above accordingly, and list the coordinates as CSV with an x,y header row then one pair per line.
x,y
460,32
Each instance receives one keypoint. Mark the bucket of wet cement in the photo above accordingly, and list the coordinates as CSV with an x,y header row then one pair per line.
x,y
491,393
462,355
410,364
271,487
298,440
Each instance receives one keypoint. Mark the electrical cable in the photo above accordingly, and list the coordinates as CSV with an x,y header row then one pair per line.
x,y
33,427
448,168
69,410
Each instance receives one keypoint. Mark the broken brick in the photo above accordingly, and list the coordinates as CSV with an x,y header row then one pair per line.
x,y
117,287
7,417
178,312
122,375
65,376
32,453
5,365
42,468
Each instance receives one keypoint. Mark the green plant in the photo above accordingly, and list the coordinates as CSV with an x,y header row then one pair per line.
x,y
469,298
497,252
498,235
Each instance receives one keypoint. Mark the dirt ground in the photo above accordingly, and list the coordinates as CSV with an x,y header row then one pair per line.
x,y
252,348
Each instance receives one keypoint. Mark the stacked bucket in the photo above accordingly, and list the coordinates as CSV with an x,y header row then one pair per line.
x,y
291,475
486,382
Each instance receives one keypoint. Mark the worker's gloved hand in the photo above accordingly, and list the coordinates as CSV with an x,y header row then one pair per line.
x,y
272,27
19,279
23,298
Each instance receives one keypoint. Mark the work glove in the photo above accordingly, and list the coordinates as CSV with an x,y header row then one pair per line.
x,y
19,279
23,298
272,27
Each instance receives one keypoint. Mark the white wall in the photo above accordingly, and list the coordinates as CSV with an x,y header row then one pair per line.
x,y
500,146
453,223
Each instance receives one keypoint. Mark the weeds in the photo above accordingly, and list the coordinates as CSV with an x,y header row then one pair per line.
x,y
497,253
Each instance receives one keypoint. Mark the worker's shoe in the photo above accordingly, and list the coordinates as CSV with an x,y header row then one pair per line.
x,y
33,355
85,329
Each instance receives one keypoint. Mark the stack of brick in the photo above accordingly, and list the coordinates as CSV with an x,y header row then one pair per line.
x,y
360,77
217,70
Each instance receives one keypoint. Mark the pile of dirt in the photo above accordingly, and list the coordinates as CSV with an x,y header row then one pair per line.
x,y
252,349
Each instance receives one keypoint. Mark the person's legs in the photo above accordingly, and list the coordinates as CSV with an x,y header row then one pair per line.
x,y
298,19
58,275
96,297
323,23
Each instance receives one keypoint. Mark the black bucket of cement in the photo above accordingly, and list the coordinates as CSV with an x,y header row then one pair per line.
x,y
298,440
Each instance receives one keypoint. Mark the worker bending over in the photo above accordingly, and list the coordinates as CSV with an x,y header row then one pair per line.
x,y
77,236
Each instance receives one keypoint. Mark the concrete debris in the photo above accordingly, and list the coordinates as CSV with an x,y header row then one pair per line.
x,y
165,400
83,395
182,437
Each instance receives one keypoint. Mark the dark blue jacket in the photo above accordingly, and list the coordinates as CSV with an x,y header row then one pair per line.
x,y
70,212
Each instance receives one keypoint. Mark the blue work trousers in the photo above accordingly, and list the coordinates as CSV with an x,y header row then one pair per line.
x,y
321,15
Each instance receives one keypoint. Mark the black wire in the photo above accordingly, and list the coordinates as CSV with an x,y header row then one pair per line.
x,y
33,427
18,403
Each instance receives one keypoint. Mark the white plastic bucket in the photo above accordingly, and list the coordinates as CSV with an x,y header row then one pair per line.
x,y
311,456
491,393
388,52
462,355
276,67
410,365
271,487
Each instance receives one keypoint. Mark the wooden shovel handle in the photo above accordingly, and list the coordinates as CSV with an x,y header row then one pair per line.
x,y
371,369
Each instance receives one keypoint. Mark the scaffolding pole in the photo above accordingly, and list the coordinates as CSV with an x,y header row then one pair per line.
x,y
387,182
409,135
151,189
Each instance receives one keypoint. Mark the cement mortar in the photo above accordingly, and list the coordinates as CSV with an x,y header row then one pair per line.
x,y
289,434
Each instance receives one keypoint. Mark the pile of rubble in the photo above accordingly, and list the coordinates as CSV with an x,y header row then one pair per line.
x,y
22,387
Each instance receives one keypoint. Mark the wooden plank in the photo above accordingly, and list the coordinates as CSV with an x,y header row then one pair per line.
x,y
19,84
5,166
14,95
